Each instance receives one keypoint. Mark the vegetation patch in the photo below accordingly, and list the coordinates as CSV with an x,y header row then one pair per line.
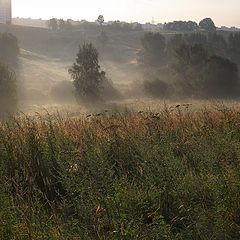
x,y
167,175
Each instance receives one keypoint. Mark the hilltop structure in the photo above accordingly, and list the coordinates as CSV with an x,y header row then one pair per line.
x,y
5,11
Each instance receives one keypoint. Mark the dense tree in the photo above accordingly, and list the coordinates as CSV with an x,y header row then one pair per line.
x,y
208,25
87,75
153,49
202,64
221,77
8,91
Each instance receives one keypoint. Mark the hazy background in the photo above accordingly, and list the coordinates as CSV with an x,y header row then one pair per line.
x,y
224,12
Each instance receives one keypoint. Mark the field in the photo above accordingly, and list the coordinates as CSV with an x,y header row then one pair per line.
x,y
132,167
172,174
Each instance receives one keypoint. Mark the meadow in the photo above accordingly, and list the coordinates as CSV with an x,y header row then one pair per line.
x,y
171,174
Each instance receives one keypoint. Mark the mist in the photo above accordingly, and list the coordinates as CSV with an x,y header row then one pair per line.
x,y
149,63
114,129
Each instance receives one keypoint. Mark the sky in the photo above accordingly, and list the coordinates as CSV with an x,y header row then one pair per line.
x,y
223,12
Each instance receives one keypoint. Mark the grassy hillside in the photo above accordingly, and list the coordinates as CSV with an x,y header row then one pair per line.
x,y
46,56
64,44
167,175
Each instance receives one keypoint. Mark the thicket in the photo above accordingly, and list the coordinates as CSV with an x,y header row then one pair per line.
x,y
167,175
198,65
206,24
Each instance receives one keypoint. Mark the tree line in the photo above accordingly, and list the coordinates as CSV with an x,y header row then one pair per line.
x,y
206,24
59,24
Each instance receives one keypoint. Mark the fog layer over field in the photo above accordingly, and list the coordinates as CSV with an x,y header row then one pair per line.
x,y
46,56
168,65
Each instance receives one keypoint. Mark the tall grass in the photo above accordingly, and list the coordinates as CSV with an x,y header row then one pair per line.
x,y
168,175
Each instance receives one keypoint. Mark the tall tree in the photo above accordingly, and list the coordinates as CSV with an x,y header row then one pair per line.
x,y
87,75
208,25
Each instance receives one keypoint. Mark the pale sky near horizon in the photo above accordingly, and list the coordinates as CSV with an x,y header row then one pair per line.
x,y
223,12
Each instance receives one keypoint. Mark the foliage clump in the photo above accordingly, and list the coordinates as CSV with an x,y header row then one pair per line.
x,y
200,65
88,78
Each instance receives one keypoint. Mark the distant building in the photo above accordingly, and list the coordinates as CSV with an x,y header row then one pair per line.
x,y
5,11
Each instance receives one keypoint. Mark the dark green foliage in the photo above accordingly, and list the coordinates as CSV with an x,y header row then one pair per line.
x,y
87,76
9,49
168,175
208,25
153,49
221,77
204,76
8,91
190,56
181,26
